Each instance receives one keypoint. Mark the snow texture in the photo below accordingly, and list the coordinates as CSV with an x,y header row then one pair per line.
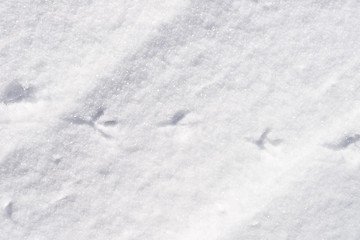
x,y
181,120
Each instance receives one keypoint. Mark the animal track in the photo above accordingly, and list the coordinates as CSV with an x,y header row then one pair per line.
x,y
9,209
176,118
57,158
110,123
93,122
263,139
97,115
344,142
15,92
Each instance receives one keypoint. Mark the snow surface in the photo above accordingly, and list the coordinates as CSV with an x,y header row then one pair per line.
x,y
181,120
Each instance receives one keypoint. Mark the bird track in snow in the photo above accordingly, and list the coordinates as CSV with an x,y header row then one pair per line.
x,y
93,122
344,143
15,92
263,139
176,118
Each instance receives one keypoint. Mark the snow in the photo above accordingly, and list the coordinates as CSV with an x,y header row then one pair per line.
x,y
179,120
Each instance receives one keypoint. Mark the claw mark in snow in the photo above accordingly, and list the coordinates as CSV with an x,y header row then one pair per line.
x,y
110,123
9,209
261,141
98,114
177,117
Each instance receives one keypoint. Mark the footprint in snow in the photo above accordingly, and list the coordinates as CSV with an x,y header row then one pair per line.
x,y
344,143
264,139
9,209
93,122
15,92
176,118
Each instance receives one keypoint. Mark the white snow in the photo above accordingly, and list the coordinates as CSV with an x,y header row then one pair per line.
x,y
184,120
